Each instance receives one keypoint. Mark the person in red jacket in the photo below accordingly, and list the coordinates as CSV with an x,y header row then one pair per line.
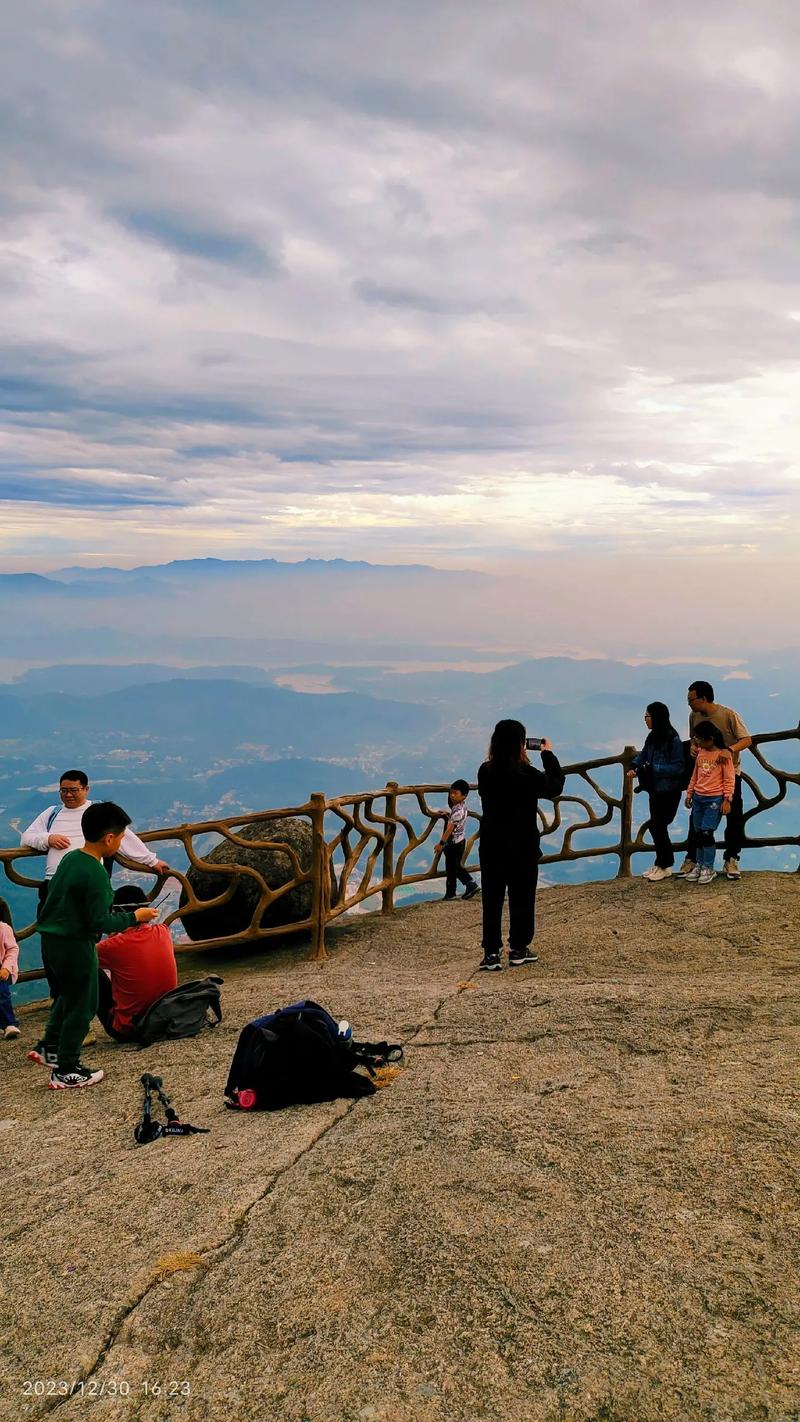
x,y
136,968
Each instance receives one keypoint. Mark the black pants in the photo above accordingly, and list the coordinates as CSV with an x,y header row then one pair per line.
x,y
105,1007
42,892
52,985
453,855
734,828
516,871
663,809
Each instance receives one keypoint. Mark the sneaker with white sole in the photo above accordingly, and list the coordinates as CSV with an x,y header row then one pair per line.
x,y
12,1030
687,869
518,960
659,874
648,873
69,1080
731,869
693,876
43,1056
490,963
706,875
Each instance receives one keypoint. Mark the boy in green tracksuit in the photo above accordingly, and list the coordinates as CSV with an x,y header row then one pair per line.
x,y
76,912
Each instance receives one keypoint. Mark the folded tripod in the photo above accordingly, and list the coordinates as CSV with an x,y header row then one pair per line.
x,y
149,1129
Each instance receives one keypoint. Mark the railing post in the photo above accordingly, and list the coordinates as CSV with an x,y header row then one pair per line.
x,y
626,816
319,872
387,894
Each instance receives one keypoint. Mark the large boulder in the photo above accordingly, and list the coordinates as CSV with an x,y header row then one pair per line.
x,y
273,866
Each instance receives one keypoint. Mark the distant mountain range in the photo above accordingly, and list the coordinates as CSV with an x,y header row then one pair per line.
x,y
215,610
215,573
204,568
93,678
212,718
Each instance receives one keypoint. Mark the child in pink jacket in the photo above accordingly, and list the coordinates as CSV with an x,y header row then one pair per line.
x,y
709,796
9,961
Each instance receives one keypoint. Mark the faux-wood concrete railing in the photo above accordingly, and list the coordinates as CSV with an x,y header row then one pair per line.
x,y
360,850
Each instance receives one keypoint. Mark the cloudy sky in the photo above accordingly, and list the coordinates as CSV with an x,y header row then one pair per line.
x,y
468,284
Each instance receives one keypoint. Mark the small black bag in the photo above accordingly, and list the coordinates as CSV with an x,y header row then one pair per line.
x,y
296,1056
182,1012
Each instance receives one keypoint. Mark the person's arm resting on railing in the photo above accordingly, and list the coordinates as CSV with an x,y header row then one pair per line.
x,y
36,835
133,848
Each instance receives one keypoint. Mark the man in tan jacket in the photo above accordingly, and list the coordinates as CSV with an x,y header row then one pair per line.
x,y
703,707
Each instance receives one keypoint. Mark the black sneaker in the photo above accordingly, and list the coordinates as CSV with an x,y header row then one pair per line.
x,y
518,960
470,892
447,898
43,1056
490,963
81,1076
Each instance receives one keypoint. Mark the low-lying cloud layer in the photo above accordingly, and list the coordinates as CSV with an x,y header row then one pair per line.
x,y
459,282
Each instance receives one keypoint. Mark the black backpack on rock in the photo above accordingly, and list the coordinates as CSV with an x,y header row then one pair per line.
x,y
298,1055
182,1012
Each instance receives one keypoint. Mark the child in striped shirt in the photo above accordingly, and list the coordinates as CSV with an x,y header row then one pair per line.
x,y
453,840
709,796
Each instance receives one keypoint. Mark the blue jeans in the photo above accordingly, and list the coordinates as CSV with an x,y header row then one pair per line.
x,y
7,1018
706,815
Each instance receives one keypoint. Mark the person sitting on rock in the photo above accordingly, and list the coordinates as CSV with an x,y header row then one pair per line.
x,y
137,967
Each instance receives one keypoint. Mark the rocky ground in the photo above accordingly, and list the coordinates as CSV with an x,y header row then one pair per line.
x,y
577,1202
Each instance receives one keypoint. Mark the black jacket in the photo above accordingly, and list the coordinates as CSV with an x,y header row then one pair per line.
x,y
510,800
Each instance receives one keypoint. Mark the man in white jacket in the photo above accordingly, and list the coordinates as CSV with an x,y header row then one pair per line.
x,y
58,828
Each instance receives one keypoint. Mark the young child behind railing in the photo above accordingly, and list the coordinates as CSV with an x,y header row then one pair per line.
x,y
9,963
453,841
709,796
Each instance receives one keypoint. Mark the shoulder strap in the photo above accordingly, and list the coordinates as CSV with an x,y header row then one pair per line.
x,y
54,810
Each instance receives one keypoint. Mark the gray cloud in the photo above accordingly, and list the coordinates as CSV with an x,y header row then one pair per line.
x,y
196,238
303,256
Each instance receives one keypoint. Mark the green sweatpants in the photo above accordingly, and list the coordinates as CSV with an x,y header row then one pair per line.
x,y
72,963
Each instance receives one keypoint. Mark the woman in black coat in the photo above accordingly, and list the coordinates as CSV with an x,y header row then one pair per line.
x,y
510,789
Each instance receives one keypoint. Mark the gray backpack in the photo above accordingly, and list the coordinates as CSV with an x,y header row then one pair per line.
x,y
183,1012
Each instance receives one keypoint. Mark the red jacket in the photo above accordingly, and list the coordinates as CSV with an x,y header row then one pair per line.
x,y
142,965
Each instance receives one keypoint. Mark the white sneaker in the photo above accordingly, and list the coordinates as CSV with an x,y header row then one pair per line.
x,y
81,1076
687,869
648,873
692,877
706,875
731,869
11,1031
657,874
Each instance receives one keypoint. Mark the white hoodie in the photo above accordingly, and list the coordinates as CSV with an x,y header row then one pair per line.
x,y
68,822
